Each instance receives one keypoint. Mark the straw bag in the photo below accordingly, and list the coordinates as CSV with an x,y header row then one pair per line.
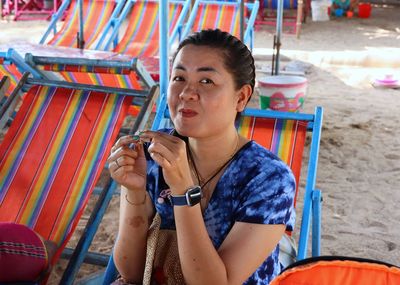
x,y
162,259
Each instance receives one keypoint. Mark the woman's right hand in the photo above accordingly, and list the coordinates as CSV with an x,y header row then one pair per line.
x,y
127,164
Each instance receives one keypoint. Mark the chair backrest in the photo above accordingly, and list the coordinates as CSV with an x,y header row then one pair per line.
x,y
96,15
53,154
285,135
223,15
141,37
338,270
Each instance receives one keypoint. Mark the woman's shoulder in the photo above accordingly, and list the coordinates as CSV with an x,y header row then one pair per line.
x,y
255,154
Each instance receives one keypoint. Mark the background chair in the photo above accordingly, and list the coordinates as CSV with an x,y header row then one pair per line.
x,y
225,16
328,270
54,151
96,16
294,13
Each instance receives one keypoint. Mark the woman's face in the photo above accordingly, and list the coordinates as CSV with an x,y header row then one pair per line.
x,y
202,98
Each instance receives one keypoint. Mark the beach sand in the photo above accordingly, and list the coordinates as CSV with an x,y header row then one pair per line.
x,y
359,160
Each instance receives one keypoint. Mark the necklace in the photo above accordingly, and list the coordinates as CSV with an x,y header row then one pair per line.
x,y
203,182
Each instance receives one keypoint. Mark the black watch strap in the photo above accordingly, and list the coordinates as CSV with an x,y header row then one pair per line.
x,y
192,197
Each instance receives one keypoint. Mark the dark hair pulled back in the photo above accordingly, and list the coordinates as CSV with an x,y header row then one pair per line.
x,y
238,59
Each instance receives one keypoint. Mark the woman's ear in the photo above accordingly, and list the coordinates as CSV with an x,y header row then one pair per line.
x,y
244,95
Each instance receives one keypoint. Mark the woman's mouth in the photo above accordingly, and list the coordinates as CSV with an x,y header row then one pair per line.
x,y
187,113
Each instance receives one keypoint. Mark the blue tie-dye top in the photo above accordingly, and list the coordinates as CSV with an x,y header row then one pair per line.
x,y
256,187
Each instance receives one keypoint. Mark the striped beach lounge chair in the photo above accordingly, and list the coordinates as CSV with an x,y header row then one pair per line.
x,y
224,15
54,152
285,135
96,15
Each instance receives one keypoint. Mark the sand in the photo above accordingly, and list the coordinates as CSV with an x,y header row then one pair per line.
x,y
359,161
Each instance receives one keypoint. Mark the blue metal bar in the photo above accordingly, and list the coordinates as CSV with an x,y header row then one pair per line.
x,y
164,60
111,271
277,114
279,19
117,23
14,57
111,23
43,60
249,33
81,36
88,234
316,223
191,19
53,24
178,27
310,186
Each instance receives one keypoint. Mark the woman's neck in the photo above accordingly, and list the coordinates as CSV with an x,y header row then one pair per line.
x,y
214,149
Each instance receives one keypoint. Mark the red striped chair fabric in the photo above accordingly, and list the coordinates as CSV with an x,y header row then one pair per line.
x,y
52,156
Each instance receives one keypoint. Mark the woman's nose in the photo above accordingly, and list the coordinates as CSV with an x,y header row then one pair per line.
x,y
189,92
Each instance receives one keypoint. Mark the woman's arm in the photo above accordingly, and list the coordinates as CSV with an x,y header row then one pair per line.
x,y
127,165
245,248
134,222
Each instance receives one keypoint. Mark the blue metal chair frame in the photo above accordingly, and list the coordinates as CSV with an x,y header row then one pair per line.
x,y
11,56
248,36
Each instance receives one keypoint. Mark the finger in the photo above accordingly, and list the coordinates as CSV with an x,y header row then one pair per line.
x,y
160,160
149,136
121,172
168,152
125,141
123,151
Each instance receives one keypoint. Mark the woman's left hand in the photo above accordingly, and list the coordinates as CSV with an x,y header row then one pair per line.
x,y
170,153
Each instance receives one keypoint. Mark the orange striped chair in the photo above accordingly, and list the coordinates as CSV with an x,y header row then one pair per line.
x,y
284,134
54,151
224,15
96,16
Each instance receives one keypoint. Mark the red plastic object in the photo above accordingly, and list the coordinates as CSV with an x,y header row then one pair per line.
x,y
364,10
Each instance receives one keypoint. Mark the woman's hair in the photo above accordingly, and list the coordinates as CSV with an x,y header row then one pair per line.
x,y
238,59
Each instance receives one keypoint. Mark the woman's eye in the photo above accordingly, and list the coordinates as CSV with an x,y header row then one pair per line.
x,y
206,81
177,78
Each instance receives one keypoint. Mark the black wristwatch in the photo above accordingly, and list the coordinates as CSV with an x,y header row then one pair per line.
x,y
191,197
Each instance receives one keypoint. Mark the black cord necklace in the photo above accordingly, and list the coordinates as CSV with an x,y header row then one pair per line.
x,y
218,170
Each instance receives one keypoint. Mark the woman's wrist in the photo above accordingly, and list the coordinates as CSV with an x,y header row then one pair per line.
x,y
135,197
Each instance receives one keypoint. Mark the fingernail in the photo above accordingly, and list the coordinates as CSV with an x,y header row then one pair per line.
x,y
136,137
141,132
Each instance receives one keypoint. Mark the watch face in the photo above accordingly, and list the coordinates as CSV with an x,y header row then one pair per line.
x,y
193,196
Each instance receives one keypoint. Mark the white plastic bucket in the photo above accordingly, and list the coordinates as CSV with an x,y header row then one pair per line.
x,y
319,10
282,92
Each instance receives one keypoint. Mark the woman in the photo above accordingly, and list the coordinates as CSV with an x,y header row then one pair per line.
x,y
230,235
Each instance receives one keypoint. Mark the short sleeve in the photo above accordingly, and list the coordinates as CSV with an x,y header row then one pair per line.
x,y
268,197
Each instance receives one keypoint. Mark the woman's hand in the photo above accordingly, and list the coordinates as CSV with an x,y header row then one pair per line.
x,y
170,153
127,163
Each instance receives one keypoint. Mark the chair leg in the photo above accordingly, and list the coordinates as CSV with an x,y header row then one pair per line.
x,y
299,18
316,223
88,234
111,272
